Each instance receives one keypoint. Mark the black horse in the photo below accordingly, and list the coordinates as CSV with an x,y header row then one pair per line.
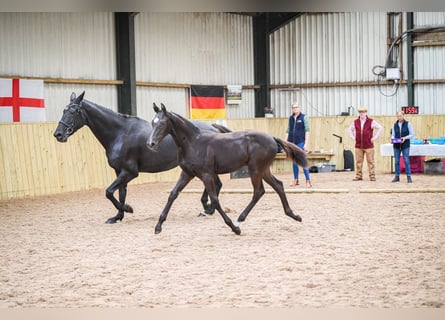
x,y
124,138
207,154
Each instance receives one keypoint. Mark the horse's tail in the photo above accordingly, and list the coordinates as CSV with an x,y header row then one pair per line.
x,y
298,155
221,128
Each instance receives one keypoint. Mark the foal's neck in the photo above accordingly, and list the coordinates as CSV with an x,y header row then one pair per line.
x,y
184,132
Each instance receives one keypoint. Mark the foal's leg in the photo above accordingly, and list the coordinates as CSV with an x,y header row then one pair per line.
x,y
122,179
258,192
184,179
210,185
208,208
277,185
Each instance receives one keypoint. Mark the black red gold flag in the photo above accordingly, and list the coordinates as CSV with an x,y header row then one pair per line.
x,y
207,102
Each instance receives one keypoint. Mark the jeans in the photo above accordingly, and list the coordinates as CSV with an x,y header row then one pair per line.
x,y
405,153
295,167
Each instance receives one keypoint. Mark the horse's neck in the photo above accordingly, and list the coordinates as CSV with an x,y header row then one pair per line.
x,y
185,132
104,123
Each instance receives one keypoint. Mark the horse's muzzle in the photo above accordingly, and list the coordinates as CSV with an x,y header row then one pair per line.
x,y
152,146
60,136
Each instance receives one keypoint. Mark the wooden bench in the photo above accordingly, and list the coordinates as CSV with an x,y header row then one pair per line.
x,y
282,165
325,156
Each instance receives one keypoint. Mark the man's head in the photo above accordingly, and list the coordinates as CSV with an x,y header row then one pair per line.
x,y
296,109
362,112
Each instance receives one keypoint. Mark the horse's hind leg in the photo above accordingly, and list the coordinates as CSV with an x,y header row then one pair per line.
x,y
120,183
208,207
277,185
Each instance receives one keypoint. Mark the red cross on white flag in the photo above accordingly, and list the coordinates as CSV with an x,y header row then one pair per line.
x,y
21,100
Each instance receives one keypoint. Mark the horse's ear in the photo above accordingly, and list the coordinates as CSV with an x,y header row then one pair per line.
x,y
73,97
163,108
80,98
156,108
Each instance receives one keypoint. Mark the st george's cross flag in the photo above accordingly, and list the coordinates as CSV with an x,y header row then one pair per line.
x,y
207,102
21,100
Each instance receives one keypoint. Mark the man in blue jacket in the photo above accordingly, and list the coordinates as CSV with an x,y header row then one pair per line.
x,y
298,132
402,132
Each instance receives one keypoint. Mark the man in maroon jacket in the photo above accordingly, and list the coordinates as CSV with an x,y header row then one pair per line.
x,y
362,132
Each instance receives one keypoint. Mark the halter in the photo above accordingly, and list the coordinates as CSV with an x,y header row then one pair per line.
x,y
69,127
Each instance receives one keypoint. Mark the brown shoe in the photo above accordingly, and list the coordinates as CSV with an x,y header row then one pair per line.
x,y
357,179
372,179
295,183
308,184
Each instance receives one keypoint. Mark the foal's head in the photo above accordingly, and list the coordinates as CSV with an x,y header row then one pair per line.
x,y
161,127
72,119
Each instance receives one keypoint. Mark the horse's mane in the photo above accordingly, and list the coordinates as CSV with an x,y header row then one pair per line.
x,y
109,111
126,115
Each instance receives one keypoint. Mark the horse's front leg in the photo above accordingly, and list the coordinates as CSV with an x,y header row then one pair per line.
x,y
184,179
208,207
210,185
120,183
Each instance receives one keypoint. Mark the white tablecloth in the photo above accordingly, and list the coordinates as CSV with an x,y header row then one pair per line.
x,y
386,150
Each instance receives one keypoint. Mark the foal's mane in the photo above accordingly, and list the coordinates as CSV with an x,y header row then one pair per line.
x,y
179,120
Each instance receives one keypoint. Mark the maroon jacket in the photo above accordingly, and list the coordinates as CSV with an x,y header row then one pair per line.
x,y
363,138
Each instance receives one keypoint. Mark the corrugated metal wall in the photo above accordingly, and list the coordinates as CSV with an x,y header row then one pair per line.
x,y
193,48
177,48
428,18
329,48
317,48
217,48
429,65
61,45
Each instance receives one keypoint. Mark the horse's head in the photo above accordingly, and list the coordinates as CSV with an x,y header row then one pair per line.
x,y
161,127
73,118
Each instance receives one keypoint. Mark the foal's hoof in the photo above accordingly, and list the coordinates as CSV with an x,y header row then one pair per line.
x,y
158,230
111,221
298,218
237,230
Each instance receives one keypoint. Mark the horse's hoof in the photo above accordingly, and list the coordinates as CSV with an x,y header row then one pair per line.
x,y
127,208
237,230
110,221
298,218
158,230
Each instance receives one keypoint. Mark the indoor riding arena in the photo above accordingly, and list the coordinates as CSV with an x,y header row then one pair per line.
x,y
69,163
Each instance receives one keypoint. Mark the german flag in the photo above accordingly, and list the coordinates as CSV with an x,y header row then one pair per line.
x,y
207,102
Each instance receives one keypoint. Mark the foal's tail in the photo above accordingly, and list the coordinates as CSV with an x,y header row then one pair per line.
x,y
298,155
221,128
